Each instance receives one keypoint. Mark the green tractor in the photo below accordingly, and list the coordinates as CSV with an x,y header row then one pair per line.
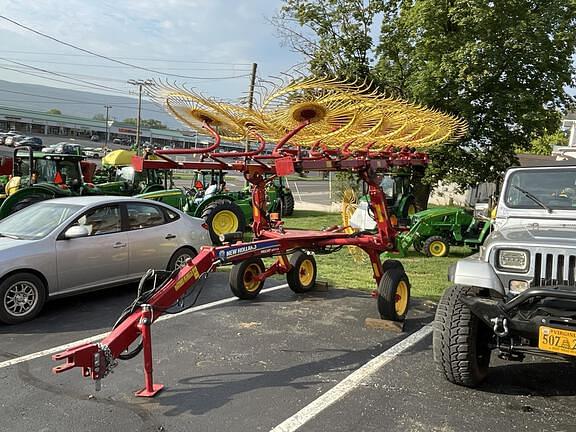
x,y
434,230
223,210
38,176
118,177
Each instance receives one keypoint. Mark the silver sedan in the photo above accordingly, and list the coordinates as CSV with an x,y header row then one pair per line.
x,y
65,246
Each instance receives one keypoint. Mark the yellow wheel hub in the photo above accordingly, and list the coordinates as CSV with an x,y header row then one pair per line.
x,y
224,222
437,248
250,282
401,301
306,272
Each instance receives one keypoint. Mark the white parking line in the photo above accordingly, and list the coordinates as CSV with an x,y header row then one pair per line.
x,y
100,336
350,382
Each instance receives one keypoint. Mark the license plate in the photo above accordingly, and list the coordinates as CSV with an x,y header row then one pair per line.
x,y
557,340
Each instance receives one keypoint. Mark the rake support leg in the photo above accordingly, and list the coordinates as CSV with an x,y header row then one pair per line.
x,y
150,389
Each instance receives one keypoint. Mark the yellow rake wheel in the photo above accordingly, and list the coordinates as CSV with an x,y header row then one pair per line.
x,y
349,206
301,277
243,278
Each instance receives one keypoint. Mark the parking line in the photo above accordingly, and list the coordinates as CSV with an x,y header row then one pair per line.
x,y
100,336
350,382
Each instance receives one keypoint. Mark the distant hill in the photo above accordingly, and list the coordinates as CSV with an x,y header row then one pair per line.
x,y
37,97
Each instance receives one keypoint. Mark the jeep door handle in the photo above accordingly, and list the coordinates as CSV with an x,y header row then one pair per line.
x,y
170,236
118,245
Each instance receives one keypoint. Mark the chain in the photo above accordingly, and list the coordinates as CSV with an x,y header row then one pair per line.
x,y
111,363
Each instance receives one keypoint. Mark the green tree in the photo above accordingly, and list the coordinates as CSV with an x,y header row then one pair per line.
x,y
148,123
99,117
544,144
54,111
333,35
501,65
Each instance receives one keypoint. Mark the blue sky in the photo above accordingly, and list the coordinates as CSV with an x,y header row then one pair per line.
x,y
210,39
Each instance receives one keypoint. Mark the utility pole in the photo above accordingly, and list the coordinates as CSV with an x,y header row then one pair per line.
x,y
140,83
251,97
107,127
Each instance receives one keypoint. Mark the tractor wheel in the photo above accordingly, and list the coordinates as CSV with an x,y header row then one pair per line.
x,y
288,204
410,208
22,296
460,340
301,277
436,246
223,217
28,201
242,281
393,293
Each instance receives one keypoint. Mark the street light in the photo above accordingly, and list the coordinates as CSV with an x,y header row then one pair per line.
x,y
107,127
140,83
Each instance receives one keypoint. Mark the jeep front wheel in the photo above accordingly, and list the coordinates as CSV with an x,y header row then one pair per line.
x,y
460,340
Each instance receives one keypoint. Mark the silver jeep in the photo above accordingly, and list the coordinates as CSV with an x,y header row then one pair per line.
x,y
518,294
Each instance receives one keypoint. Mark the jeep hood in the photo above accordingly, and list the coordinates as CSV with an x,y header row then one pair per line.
x,y
561,234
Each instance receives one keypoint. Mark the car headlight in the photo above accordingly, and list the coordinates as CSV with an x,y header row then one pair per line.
x,y
514,260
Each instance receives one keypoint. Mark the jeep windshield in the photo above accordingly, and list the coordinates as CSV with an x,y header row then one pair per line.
x,y
550,189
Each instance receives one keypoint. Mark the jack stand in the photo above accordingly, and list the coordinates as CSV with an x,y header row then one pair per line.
x,y
150,389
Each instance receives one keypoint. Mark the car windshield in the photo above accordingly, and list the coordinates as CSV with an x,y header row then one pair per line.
x,y
37,221
546,189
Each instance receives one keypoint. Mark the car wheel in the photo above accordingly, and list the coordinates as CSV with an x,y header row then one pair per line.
x,y
22,297
242,278
436,246
302,276
461,341
393,292
223,217
180,257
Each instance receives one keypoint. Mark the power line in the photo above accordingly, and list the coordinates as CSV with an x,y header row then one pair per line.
x,y
110,58
58,74
130,58
57,80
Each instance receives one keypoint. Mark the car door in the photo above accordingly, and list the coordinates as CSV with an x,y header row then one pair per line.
x,y
152,240
100,258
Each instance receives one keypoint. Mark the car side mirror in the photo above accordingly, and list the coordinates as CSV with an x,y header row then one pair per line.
x,y
76,231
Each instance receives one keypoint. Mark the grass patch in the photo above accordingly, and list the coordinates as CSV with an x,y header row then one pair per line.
x,y
428,276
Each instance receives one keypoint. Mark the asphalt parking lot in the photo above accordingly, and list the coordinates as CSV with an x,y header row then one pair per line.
x,y
282,363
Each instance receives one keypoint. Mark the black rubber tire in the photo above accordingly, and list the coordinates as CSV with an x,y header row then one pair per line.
x,y
428,245
28,201
388,290
37,291
212,210
288,204
391,263
180,254
238,278
293,278
460,340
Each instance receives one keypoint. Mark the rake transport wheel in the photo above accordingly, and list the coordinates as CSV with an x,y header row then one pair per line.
x,y
223,217
436,246
243,283
461,342
301,277
393,292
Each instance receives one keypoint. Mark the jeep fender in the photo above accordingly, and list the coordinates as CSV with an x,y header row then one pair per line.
x,y
474,272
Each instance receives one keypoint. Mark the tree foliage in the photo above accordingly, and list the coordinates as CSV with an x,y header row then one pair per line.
x,y
544,144
148,123
54,111
99,117
501,65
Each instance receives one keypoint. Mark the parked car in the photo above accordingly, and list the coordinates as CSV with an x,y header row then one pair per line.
x,y
95,152
65,246
64,148
12,138
94,138
34,142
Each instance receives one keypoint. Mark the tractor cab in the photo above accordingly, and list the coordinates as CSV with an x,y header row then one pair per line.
x,y
397,186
